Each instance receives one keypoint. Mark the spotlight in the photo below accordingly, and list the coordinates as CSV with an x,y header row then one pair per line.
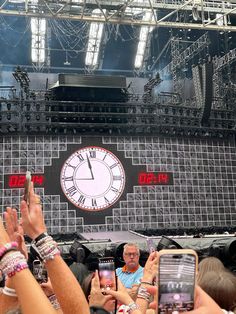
x,y
167,243
78,251
225,250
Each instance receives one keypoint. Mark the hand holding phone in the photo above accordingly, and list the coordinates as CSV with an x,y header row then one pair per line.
x,y
27,186
151,245
107,274
39,271
176,280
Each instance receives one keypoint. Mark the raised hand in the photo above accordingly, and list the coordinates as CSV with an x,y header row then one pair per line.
x,y
4,237
15,230
150,268
32,215
97,298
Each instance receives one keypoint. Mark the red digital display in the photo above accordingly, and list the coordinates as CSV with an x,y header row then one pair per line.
x,y
18,180
155,178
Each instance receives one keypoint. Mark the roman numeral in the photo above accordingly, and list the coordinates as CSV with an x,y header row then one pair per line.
x,y
81,199
81,158
114,189
94,202
106,200
68,178
113,166
92,154
115,178
105,156
72,190
69,165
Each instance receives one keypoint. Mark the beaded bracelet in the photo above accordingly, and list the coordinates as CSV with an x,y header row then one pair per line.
x,y
53,300
9,292
7,248
47,248
13,263
143,294
146,283
132,307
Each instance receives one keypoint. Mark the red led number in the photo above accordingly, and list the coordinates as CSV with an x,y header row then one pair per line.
x,y
150,178
18,181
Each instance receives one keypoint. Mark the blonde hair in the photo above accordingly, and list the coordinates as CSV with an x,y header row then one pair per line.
x,y
210,263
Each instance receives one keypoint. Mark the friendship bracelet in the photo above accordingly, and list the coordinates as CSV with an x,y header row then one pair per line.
x,y
47,248
53,300
143,294
146,283
7,248
9,292
13,263
132,307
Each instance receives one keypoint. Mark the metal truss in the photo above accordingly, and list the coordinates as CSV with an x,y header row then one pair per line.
x,y
181,59
132,117
122,12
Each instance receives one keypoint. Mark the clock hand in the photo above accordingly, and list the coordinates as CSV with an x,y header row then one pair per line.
x,y
84,178
90,166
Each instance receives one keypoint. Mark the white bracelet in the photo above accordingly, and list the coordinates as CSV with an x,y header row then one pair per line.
x,y
9,292
132,307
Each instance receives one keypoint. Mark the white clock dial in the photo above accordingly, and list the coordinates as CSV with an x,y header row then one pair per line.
x,y
92,178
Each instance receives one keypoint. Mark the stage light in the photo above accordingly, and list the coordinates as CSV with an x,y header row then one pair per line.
x,y
78,252
225,250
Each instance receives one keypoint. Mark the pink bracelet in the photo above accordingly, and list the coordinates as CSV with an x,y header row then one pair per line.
x,y
7,247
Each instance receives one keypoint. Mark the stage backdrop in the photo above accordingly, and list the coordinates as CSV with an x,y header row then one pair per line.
x,y
92,184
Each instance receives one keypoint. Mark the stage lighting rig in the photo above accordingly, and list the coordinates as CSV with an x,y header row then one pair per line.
x,y
22,78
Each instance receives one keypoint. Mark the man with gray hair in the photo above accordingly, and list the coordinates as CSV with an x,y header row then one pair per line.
x,y
131,273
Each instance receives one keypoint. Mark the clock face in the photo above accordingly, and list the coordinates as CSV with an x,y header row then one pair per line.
x,y
92,178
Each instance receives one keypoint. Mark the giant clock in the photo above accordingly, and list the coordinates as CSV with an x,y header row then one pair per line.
x,y
92,178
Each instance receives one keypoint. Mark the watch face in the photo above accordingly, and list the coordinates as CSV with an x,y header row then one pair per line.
x,y
92,178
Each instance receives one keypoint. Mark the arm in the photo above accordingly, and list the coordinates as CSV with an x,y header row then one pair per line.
x,y
123,297
27,289
67,289
149,273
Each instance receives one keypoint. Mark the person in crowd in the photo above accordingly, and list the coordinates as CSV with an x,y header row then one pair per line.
x,y
221,286
70,299
207,264
131,273
20,283
98,299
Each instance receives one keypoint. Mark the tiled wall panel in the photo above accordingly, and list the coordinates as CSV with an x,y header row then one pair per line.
x,y
203,193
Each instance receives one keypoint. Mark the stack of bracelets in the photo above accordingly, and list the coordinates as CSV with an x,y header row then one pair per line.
x,y
46,246
143,293
11,263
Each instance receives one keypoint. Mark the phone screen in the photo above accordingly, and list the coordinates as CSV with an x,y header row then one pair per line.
x,y
151,245
107,274
176,283
39,271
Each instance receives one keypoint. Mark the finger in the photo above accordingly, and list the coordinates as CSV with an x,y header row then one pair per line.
x,y
15,219
153,305
8,220
24,212
95,281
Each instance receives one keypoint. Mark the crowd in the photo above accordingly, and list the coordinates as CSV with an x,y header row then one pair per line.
x,y
136,292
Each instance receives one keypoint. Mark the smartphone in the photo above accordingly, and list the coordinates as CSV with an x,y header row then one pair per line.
x,y
39,271
27,186
107,273
176,280
151,245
